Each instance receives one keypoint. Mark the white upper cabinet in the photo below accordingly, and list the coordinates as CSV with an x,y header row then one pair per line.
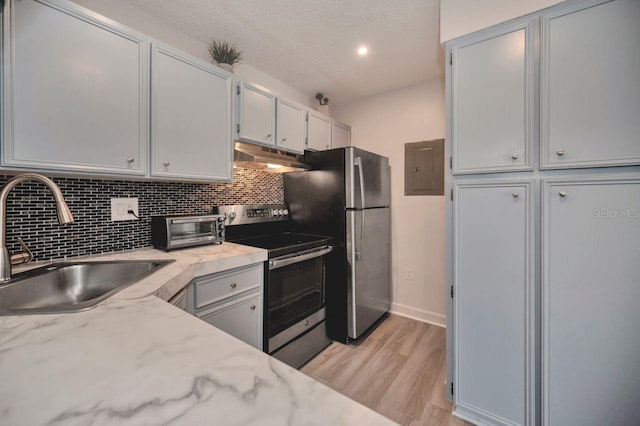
x,y
75,91
256,118
290,126
492,101
191,117
590,85
318,131
340,135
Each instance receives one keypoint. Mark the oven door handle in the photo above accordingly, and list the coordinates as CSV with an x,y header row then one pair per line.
x,y
290,260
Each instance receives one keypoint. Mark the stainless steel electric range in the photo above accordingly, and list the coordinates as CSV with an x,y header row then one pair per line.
x,y
295,275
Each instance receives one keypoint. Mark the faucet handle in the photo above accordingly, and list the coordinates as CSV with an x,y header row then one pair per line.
x,y
25,257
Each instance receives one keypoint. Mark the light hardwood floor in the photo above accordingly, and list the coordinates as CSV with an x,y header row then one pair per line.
x,y
398,371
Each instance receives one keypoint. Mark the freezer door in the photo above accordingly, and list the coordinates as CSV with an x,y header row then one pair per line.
x,y
367,177
369,267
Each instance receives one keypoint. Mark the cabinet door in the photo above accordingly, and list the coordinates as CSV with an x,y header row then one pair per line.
x,y
590,93
241,318
591,294
318,131
492,102
340,135
180,299
256,115
290,128
75,91
191,117
494,302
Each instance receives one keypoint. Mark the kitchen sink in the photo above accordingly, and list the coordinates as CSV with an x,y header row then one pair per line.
x,y
71,286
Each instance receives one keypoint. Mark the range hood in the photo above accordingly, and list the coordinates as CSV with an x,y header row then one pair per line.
x,y
250,156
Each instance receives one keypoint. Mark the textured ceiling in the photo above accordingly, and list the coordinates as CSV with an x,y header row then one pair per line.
x,y
311,44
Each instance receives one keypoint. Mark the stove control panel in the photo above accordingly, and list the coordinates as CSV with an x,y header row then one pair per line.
x,y
253,213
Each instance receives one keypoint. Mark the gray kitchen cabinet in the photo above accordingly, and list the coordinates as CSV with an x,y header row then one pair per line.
x,y
493,101
232,301
586,262
256,116
340,135
191,117
590,291
241,318
75,90
318,131
180,299
290,128
494,327
590,96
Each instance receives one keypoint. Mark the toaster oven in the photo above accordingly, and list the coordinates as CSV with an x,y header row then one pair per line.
x,y
173,232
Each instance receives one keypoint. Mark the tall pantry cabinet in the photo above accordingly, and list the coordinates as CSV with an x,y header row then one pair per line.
x,y
544,217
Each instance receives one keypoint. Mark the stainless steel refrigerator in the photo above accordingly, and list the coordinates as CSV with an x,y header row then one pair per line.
x,y
347,195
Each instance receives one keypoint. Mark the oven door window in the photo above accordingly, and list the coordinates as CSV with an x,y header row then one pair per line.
x,y
191,229
295,292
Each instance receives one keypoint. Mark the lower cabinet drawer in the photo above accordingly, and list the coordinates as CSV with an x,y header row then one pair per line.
x,y
213,288
241,318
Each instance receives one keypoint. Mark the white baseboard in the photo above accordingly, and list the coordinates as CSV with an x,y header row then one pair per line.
x,y
419,314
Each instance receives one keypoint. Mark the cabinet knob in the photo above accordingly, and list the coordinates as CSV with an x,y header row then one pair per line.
x,y
167,164
515,156
562,194
515,194
306,323
268,135
130,160
284,139
233,285
252,307
560,152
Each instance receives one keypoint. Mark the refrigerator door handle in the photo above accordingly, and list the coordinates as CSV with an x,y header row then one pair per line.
x,y
357,162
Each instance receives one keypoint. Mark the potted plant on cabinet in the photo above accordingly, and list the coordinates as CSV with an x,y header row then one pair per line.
x,y
323,102
224,54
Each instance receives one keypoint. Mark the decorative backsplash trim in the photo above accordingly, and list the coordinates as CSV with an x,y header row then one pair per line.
x,y
31,210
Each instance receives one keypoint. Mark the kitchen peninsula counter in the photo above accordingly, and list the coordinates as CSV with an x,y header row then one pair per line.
x,y
135,359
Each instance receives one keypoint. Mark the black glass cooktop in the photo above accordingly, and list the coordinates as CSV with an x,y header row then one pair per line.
x,y
284,243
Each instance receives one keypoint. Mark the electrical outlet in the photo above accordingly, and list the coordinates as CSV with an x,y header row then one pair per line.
x,y
120,207
408,274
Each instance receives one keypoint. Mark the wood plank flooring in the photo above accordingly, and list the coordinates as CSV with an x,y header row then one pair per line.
x,y
398,371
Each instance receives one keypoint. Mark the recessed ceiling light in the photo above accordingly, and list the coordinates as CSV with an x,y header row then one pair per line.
x,y
362,50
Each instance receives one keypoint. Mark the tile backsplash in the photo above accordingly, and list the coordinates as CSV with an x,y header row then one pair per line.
x,y
31,210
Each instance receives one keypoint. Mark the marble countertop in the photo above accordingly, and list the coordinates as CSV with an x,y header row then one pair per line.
x,y
137,360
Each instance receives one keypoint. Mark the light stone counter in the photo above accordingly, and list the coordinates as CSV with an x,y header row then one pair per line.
x,y
137,360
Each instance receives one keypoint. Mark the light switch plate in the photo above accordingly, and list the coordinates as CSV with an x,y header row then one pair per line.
x,y
120,207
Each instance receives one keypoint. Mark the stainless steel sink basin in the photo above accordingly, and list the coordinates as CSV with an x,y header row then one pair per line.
x,y
71,286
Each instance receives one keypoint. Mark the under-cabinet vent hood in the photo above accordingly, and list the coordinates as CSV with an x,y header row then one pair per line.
x,y
250,156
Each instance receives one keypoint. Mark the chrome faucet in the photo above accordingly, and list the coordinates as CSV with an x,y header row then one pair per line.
x,y
64,215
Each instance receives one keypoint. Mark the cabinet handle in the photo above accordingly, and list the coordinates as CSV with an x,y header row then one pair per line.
x,y
233,285
166,163
515,194
560,152
515,155
130,160
562,194
252,307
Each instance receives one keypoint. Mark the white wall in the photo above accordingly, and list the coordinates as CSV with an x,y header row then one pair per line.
x,y
131,16
460,17
383,124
